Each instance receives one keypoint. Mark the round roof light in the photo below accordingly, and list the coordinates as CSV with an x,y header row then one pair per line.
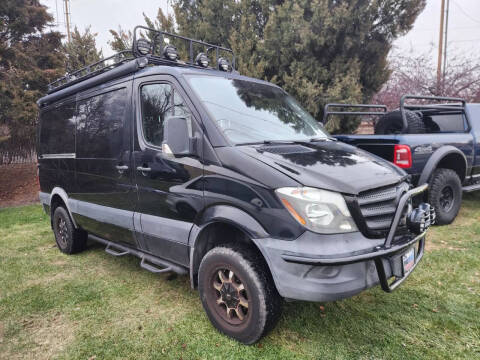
x,y
201,60
144,46
170,52
223,64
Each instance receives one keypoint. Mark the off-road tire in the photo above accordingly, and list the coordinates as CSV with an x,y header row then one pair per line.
x,y
264,302
69,240
442,183
392,123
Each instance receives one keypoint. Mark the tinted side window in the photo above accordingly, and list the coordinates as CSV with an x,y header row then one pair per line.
x,y
446,123
159,101
100,123
57,131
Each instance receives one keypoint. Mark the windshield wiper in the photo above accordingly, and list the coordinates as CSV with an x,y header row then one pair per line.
x,y
267,142
274,142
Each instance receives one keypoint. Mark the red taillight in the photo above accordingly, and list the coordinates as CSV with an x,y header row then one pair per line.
x,y
402,156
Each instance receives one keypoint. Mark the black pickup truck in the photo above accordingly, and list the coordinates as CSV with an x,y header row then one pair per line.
x,y
436,143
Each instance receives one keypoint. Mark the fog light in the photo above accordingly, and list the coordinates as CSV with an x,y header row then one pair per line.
x,y
421,218
143,46
170,52
223,64
201,60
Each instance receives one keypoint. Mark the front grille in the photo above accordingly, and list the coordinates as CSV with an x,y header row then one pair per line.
x,y
378,207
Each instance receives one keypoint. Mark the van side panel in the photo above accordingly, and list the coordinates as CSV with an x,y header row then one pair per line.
x,y
56,147
104,200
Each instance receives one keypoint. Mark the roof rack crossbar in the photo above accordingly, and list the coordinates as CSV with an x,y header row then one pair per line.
x,y
327,112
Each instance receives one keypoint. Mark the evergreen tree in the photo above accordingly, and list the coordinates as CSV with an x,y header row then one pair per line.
x,y
81,50
320,51
30,58
122,39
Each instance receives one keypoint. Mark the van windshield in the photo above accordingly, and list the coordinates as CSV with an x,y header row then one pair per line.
x,y
250,112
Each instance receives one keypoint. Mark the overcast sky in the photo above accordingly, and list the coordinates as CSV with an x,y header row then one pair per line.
x,y
102,15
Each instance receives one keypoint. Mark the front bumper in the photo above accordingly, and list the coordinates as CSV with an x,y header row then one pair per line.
x,y
318,267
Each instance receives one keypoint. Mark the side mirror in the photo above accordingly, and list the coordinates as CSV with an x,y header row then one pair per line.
x,y
177,140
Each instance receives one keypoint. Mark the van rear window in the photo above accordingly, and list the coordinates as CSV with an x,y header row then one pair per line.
x,y
57,130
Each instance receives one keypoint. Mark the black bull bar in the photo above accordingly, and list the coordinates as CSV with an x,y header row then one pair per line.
x,y
390,252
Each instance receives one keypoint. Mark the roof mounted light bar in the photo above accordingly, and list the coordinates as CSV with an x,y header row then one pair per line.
x,y
160,40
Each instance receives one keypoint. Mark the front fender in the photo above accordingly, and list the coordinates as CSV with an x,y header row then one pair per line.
x,y
220,214
234,216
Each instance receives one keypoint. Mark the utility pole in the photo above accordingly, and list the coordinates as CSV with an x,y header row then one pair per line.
x,y
67,18
440,47
446,42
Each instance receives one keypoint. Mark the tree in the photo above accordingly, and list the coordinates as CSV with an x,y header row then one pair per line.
x,y
122,39
320,51
417,75
30,58
81,50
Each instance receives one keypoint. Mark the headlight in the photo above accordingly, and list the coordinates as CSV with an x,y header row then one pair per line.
x,y
318,210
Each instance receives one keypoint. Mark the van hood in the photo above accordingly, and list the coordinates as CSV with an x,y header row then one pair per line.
x,y
328,165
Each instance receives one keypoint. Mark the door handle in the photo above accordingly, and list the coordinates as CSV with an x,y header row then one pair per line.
x,y
144,169
121,168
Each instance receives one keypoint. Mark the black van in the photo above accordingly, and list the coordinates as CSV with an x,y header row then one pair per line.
x,y
198,170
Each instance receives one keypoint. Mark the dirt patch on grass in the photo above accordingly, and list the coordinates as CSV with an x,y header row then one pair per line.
x,y
42,337
438,245
18,184
51,336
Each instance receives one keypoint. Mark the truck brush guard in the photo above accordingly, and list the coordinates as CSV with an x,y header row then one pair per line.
x,y
418,221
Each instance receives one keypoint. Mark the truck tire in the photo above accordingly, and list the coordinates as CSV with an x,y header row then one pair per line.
x,y
238,293
69,240
445,195
392,123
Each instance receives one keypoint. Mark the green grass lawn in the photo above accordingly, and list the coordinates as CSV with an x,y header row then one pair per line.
x,y
95,306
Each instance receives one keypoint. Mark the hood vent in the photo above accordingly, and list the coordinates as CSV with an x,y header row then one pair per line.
x,y
286,149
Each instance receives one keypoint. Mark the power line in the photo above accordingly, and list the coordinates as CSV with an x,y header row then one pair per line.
x,y
457,41
465,13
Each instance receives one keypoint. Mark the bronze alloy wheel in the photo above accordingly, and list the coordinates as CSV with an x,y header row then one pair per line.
x,y
230,296
238,293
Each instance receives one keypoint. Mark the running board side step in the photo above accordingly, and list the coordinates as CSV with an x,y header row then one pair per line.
x,y
148,262
112,252
153,269
471,188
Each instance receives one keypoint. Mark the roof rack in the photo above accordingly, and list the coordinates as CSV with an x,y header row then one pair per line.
x,y
91,70
157,40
